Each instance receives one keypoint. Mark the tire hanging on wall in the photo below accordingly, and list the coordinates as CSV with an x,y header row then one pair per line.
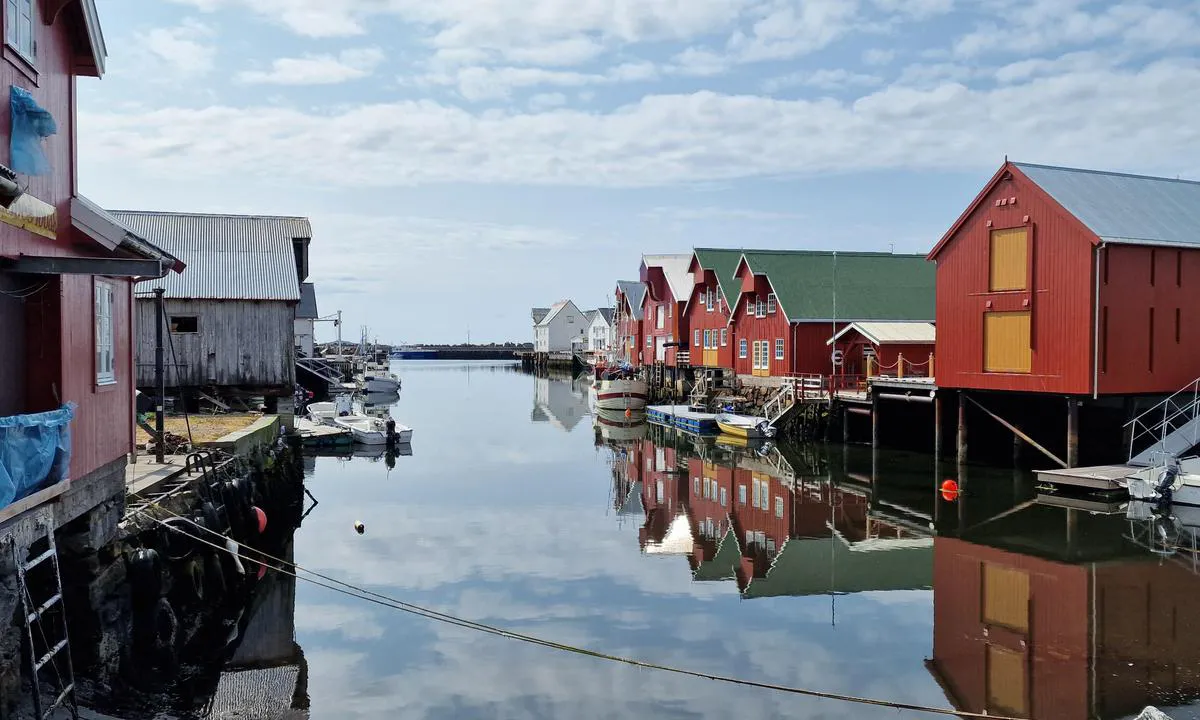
x,y
214,577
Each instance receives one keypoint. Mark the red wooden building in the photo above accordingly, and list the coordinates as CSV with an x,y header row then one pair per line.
x,y
708,315
67,268
885,346
1074,282
668,289
630,294
792,301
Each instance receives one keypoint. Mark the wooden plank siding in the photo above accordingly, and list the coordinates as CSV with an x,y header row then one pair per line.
x,y
1057,293
769,329
704,322
237,344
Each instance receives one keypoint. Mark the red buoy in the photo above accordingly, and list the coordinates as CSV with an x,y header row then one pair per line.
x,y
262,518
949,490
628,413
262,570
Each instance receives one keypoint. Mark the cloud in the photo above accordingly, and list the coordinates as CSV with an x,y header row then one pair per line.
x,y
878,56
670,139
185,49
478,83
317,69
708,213
795,28
835,79
545,101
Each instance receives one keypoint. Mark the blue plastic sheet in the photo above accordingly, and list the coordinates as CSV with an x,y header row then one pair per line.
x,y
35,452
30,123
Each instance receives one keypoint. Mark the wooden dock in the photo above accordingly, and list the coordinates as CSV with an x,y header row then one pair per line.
x,y
313,434
1107,478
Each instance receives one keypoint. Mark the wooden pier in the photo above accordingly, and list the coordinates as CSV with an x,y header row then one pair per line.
x,y
1107,478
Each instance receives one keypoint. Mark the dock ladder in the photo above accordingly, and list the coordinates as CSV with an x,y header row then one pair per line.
x,y
330,374
54,641
1167,430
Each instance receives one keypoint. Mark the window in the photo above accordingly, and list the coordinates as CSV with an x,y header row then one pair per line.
x,y
749,306
661,319
724,497
707,335
771,304
1009,253
757,492
696,487
778,506
183,324
742,348
709,299
659,491
18,27
696,338
649,341
1006,342
779,349
741,494
725,336
760,308
105,365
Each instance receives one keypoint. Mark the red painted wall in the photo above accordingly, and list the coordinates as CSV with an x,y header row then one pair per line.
x,y
1056,648
700,318
1133,281
59,320
887,356
751,328
812,355
674,322
1061,306
627,328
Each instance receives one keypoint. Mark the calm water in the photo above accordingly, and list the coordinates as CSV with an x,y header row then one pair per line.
x,y
513,510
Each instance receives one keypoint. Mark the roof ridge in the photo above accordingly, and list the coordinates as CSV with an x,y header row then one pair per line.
x,y
179,213
852,253
1110,173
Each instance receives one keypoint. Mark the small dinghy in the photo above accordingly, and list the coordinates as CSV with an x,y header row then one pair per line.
x,y
745,426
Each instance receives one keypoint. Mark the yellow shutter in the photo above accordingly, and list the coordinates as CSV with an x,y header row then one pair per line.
x,y
1006,682
1009,255
1006,342
1006,597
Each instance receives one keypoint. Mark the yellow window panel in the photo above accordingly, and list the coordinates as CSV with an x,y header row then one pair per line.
x,y
1006,597
1009,259
1006,342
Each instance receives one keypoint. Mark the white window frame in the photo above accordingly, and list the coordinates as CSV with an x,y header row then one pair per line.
x,y
749,306
660,317
778,348
724,337
772,304
19,15
742,348
104,297
760,307
708,293
696,337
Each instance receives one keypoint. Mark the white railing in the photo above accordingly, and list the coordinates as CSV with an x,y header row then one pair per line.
x,y
683,357
320,368
1172,419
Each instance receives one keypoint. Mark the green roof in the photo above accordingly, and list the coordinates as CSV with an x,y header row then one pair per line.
x,y
828,285
723,565
724,263
818,566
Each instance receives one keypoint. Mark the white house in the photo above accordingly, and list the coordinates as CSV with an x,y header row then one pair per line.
x,y
600,330
559,328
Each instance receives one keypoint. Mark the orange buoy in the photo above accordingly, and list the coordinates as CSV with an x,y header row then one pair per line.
x,y
262,570
262,518
628,413
949,490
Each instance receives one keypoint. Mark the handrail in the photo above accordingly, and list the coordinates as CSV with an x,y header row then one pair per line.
x,y
1173,409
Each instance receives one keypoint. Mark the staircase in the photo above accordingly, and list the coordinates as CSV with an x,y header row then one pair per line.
x,y
781,404
45,622
323,370
1167,430
699,396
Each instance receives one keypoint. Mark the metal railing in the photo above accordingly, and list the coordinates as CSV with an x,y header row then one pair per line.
x,y
1155,426
320,368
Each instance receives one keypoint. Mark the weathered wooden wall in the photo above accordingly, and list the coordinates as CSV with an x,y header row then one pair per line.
x,y
238,344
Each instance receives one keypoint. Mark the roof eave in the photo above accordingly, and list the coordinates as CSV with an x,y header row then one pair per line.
x,y
95,35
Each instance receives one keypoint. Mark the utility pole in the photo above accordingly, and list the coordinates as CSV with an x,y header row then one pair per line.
x,y
160,378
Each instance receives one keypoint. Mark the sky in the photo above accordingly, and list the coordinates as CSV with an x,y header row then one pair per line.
x,y
465,160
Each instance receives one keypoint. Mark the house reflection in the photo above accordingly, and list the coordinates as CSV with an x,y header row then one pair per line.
x,y
561,400
1053,612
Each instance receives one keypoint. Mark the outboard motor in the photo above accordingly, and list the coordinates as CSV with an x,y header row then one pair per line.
x,y
1166,481
391,431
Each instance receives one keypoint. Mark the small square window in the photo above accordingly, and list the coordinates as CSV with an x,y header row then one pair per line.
x,y
749,306
184,324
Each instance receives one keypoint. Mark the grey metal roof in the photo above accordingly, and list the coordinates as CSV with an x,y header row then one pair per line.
x,y
607,313
538,314
1121,208
307,309
228,257
635,290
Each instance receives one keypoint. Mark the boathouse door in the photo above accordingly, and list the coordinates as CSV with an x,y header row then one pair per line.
x,y
660,348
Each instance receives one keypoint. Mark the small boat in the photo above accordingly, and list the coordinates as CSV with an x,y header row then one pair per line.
x,y
619,389
410,352
745,426
380,382
1177,482
366,430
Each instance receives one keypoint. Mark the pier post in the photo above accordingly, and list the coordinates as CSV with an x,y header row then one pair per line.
x,y
845,424
1072,432
962,428
160,378
1016,450
874,421
937,426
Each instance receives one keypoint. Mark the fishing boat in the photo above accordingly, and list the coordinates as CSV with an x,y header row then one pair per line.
x,y
619,389
413,352
326,412
616,427
745,426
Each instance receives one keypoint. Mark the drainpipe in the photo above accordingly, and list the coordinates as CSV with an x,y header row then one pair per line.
x,y
1096,325
160,379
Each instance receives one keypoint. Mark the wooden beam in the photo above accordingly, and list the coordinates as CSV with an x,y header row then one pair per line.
x,y
1017,431
115,267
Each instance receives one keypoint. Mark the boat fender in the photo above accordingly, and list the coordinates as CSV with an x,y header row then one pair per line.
x,y
145,576
190,583
176,545
233,548
261,518
166,626
214,577
212,518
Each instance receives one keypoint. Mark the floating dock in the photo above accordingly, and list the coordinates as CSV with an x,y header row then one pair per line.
x,y
1104,478
683,418
314,434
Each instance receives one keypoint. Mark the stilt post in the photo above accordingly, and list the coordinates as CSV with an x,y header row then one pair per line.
x,y
962,428
1072,432
874,421
937,426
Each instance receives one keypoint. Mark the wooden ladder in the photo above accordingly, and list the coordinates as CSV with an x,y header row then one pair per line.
x,y
53,644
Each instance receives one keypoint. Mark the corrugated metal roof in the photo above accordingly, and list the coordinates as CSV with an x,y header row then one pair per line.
x,y
724,263
307,309
228,257
885,333
635,291
675,269
1122,208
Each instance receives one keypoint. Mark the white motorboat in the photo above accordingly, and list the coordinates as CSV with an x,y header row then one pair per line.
x,y
326,412
620,390
366,430
380,382
745,426
1177,482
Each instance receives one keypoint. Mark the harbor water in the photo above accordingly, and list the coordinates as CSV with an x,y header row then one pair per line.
x,y
824,568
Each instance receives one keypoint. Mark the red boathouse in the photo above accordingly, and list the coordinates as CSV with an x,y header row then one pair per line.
x,y
630,295
708,315
668,289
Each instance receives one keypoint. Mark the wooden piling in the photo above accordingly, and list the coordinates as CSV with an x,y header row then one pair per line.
x,y
962,428
1072,432
1016,450
845,425
937,426
874,421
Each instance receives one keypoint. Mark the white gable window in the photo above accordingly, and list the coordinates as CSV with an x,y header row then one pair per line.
x,y
771,304
696,338
709,299
749,306
105,363
760,308
18,27
724,337
662,316
742,352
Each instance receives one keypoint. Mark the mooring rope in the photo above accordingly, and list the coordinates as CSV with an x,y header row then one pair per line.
x,y
361,593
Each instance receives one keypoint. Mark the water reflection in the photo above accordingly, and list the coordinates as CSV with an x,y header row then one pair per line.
x,y
561,400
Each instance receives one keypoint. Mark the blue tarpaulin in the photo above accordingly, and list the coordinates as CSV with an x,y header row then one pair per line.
x,y
30,123
35,452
